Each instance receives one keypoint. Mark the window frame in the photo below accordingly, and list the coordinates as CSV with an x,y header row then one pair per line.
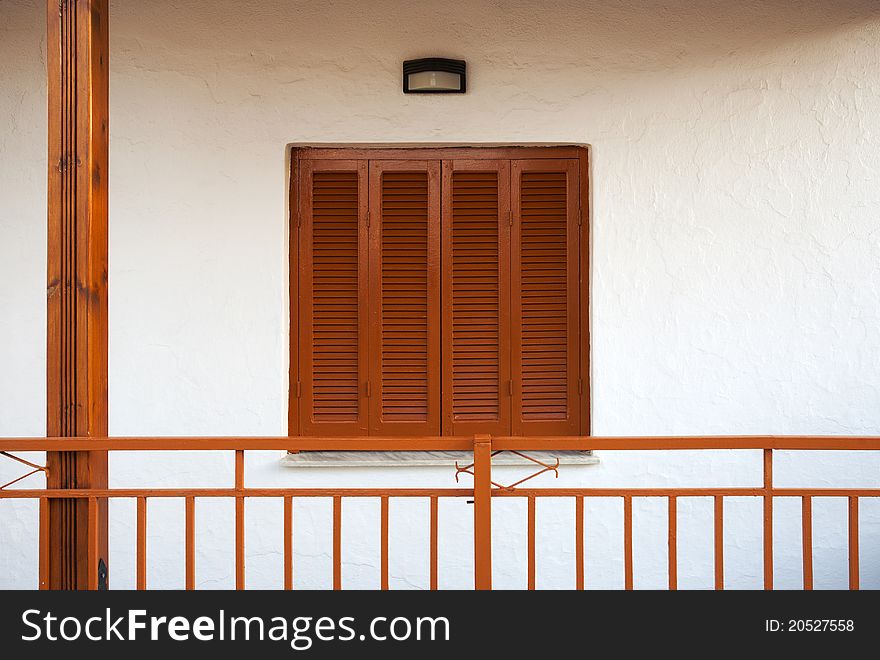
x,y
300,154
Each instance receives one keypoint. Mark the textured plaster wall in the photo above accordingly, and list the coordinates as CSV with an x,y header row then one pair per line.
x,y
736,243
22,267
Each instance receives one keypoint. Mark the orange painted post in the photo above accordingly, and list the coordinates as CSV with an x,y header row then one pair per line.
x,y
434,542
288,543
337,542
672,543
854,543
531,543
44,543
627,542
384,541
190,543
579,541
141,550
482,512
807,531
239,519
93,544
719,542
239,469
768,519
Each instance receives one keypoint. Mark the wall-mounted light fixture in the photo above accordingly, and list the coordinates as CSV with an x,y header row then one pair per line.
x,y
434,75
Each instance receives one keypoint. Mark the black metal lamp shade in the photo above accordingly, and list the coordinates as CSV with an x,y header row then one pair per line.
x,y
434,75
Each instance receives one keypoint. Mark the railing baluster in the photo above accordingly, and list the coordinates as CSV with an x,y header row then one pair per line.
x,y
719,542
768,519
141,548
288,542
44,543
93,544
807,535
627,543
190,543
531,542
672,543
434,542
239,520
384,541
337,542
854,543
579,541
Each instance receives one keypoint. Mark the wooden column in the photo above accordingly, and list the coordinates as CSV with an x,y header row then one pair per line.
x,y
76,385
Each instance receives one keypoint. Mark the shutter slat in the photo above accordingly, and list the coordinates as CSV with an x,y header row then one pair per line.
x,y
545,302
476,359
404,271
334,228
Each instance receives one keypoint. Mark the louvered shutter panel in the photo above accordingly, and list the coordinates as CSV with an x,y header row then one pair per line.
x,y
333,297
476,297
544,302
405,297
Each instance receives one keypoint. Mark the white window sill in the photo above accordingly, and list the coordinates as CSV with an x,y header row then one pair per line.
x,y
345,459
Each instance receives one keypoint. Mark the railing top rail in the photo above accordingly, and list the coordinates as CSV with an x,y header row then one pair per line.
x,y
440,443
398,492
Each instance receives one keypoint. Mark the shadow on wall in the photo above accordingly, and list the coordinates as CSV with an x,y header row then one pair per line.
x,y
607,35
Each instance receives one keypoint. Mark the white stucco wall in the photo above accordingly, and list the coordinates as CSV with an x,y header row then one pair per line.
x,y
736,243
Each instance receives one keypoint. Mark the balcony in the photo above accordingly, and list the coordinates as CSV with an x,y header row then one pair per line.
x,y
484,491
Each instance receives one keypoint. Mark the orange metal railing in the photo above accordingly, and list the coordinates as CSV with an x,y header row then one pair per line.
x,y
482,492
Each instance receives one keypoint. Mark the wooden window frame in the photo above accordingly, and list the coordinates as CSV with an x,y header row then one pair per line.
x,y
301,155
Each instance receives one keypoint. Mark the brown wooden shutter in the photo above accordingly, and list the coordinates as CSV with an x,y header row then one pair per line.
x,y
405,297
476,297
544,300
333,297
